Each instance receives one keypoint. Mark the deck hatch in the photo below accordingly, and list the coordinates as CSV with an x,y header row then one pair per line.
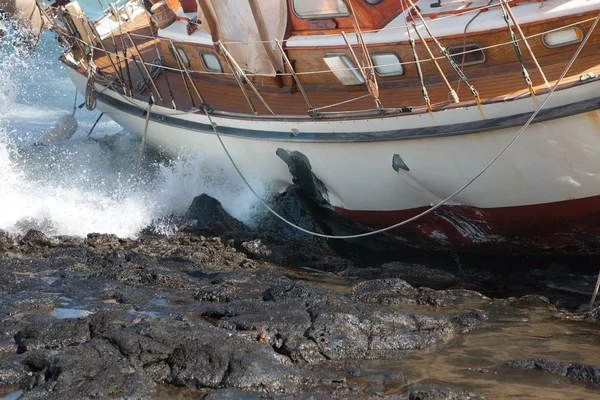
x,y
344,69
467,53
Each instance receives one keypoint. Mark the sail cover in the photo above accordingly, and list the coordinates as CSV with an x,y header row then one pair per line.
x,y
245,31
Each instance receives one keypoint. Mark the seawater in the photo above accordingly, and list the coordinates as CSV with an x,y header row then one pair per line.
x,y
86,185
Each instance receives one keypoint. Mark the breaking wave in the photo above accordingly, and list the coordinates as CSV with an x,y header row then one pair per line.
x,y
86,185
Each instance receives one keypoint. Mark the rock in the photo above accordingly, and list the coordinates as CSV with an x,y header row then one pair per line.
x,y
226,286
586,374
398,291
301,350
216,359
415,273
12,371
593,314
34,238
53,334
344,330
99,240
5,241
91,370
107,321
206,214
296,290
231,394
430,392
281,322
471,319
294,206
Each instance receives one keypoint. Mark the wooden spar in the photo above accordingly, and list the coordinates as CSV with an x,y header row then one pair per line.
x,y
239,70
98,38
237,79
291,67
263,33
452,92
144,66
369,76
362,72
524,38
182,65
165,72
210,18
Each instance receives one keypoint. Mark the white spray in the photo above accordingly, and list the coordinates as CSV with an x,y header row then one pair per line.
x,y
79,186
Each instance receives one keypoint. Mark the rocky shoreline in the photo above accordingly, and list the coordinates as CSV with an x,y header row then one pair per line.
x,y
220,311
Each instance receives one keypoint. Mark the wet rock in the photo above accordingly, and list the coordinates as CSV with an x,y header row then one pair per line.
x,y
107,321
99,240
206,214
5,241
586,374
294,206
280,321
226,286
91,370
216,359
415,273
231,394
297,290
34,238
12,371
301,350
430,392
593,314
398,291
53,334
344,330
471,319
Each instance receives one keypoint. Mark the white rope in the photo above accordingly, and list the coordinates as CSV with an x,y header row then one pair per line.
x,y
438,205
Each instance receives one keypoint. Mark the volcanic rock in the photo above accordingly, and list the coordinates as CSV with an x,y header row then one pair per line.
x,y
586,374
206,214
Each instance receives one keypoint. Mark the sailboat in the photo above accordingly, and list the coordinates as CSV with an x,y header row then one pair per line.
x,y
464,125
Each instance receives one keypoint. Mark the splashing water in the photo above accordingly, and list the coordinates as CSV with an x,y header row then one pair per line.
x,y
88,185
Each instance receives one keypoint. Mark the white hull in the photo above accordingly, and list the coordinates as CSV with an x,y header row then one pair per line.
x,y
553,161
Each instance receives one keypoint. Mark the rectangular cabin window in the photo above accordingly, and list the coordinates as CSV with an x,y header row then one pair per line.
x,y
344,69
319,8
466,54
563,37
211,62
387,64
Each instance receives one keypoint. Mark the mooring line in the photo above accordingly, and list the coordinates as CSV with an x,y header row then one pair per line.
x,y
439,204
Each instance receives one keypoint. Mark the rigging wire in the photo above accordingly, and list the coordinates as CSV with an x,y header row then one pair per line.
x,y
442,202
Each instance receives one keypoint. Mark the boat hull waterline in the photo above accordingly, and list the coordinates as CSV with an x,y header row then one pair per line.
x,y
543,196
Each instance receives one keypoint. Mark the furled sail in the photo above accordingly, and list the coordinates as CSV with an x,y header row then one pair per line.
x,y
248,28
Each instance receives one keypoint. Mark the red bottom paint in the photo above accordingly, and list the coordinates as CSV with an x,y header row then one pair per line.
x,y
566,227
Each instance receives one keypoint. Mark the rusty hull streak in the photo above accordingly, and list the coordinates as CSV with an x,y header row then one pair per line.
x,y
567,227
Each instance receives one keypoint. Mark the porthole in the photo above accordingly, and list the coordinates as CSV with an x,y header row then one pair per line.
x,y
211,62
319,8
387,64
467,54
563,37
182,55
